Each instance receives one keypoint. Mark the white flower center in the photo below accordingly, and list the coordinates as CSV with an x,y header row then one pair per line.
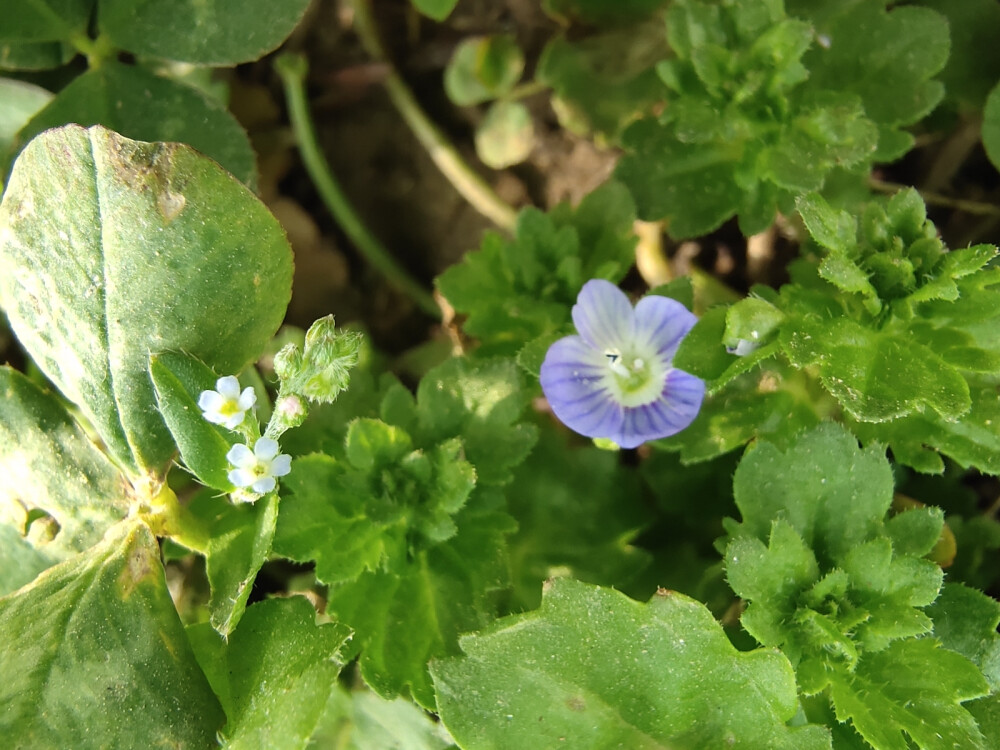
x,y
634,380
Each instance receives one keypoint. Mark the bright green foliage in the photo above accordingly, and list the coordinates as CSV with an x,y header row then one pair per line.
x,y
436,9
95,656
595,669
361,720
274,674
760,109
506,135
602,82
403,522
204,32
899,331
520,290
965,620
43,20
149,256
135,103
319,370
58,493
19,101
972,25
578,512
483,68
841,590
178,380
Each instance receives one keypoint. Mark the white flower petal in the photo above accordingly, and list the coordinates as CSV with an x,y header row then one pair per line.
x,y
264,485
266,449
233,421
281,465
241,457
247,399
211,401
228,386
242,477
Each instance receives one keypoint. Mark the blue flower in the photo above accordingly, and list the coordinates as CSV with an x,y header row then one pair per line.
x,y
616,380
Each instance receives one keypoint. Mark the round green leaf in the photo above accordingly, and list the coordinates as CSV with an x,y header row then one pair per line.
x,y
43,20
112,248
483,68
204,32
138,104
506,136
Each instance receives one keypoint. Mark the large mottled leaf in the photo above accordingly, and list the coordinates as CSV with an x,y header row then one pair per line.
x,y
595,669
113,248
134,102
50,474
96,657
274,674
204,32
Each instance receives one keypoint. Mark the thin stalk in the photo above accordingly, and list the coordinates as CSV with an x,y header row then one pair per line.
x,y
470,185
936,199
292,69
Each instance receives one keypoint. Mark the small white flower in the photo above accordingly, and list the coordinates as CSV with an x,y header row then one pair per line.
x,y
226,405
257,469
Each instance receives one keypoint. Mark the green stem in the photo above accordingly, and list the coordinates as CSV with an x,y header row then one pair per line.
x,y
292,69
470,185
95,50
936,199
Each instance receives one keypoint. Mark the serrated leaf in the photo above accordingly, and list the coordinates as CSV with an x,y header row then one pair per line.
x,y
178,380
876,376
137,104
148,256
203,32
832,228
49,468
580,672
915,687
833,493
101,659
274,673
965,620
402,619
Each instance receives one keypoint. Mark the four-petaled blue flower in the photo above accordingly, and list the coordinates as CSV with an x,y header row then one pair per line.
x,y
616,380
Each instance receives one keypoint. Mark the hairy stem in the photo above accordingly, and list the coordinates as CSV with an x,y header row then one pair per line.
x,y
292,69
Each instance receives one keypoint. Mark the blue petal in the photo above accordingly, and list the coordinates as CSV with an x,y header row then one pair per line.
x,y
603,315
572,378
676,408
660,324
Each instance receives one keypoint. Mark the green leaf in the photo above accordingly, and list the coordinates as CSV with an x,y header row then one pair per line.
x,y
402,620
436,9
237,541
594,669
274,673
203,32
147,256
833,493
506,136
965,620
483,68
44,20
58,493
178,380
969,74
991,126
605,81
35,55
101,659
361,720
834,229
876,376
913,687
19,101
578,513
515,291
136,103
752,320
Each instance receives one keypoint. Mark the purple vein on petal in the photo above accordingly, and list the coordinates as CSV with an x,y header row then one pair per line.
x,y
603,315
660,325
